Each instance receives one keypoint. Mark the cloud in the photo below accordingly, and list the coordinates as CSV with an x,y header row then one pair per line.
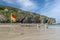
x,y
52,10
48,5
8,1
27,5
55,12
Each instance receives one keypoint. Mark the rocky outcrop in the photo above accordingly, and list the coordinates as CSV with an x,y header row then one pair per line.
x,y
2,18
51,21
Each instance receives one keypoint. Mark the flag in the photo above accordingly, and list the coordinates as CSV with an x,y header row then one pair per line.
x,y
13,17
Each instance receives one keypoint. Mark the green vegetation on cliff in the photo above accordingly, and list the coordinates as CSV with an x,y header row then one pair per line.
x,y
22,16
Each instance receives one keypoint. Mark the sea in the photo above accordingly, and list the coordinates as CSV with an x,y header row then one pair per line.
x,y
54,26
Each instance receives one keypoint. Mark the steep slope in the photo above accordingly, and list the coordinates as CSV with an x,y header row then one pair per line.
x,y
22,16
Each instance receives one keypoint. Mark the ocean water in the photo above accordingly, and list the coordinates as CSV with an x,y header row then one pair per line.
x,y
54,26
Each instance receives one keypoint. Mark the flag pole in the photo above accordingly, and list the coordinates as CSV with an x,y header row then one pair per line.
x,y
11,22
11,18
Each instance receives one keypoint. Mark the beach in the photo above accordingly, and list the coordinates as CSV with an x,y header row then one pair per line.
x,y
52,33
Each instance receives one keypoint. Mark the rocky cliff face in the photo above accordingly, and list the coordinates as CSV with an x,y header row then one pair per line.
x,y
23,16
51,21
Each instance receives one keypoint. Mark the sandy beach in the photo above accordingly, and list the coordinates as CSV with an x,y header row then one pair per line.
x,y
52,33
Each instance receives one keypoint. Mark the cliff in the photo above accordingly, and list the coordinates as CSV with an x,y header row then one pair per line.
x,y
23,16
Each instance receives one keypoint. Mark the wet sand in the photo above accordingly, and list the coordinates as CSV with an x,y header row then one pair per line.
x,y
32,34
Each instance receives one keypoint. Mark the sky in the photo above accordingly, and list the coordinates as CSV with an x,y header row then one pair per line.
x,y
50,8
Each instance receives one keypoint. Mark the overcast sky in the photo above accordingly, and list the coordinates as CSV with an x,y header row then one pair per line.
x,y
49,8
